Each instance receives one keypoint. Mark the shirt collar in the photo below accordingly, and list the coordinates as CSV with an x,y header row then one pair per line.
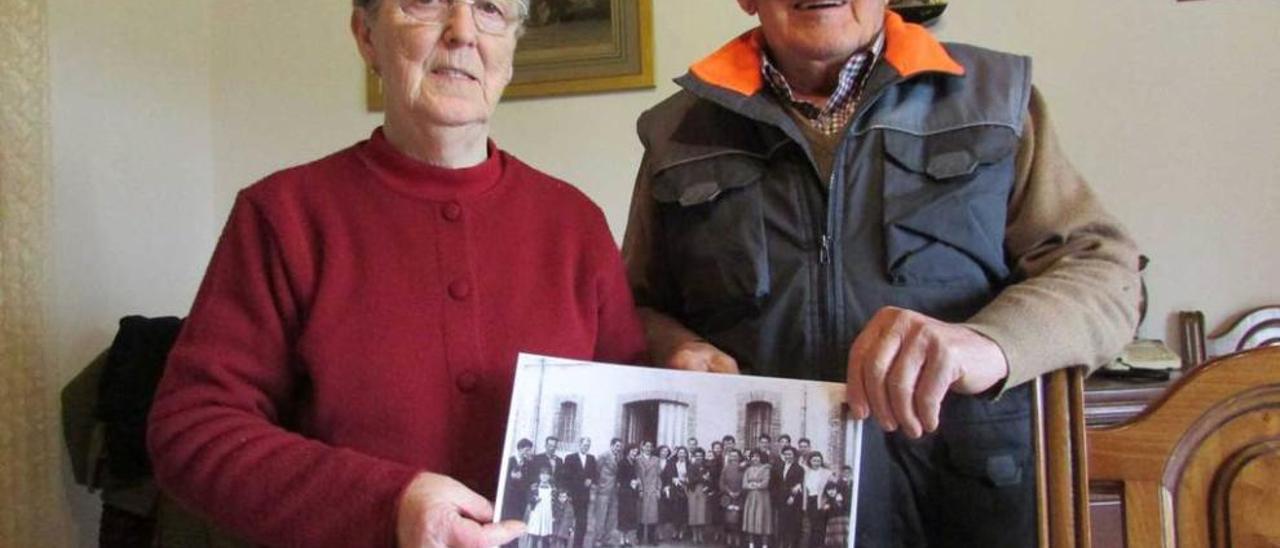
x,y
847,87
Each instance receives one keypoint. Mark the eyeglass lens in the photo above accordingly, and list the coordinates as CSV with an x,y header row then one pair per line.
x,y
491,16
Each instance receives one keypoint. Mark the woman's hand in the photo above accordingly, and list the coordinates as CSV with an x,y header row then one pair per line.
x,y
437,511
699,355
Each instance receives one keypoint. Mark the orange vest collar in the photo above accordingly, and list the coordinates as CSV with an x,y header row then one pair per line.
x,y
909,49
735,66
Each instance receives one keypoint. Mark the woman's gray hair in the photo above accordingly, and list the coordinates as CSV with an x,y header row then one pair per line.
x,y
371,6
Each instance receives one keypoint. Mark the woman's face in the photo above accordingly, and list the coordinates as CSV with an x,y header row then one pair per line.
x,y
633,453
734,457
441,75
682,454
755,458
664,452
815,461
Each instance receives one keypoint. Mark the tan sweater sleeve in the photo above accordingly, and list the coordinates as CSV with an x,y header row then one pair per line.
x,y
1076,291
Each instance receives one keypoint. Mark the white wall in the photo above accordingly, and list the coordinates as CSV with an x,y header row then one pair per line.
x,y
162,110
1161,104
288,87
133,217
1168,109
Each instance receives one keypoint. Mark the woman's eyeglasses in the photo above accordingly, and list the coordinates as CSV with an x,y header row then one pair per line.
x,y
491,16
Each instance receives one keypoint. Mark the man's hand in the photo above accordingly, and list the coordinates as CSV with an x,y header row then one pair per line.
x,y
701,356
437,511
903,363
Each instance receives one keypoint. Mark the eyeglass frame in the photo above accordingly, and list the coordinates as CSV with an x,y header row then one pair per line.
x,y
520,8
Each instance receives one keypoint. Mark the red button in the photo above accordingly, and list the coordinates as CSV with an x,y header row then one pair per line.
x,y
467,381
460,290
452,212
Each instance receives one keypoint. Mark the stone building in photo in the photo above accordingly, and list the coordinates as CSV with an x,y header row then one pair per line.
x,y
635,404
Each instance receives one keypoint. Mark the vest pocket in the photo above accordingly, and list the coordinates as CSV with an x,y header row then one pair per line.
x,y
713,223
945,200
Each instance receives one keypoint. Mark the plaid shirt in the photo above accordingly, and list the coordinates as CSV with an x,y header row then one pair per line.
x,y
840,106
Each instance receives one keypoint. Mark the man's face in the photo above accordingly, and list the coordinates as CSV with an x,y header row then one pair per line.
x,y
788,456
818,31
616,447
647,448
804,445
584,445
693,442
551,446
764,444
526,451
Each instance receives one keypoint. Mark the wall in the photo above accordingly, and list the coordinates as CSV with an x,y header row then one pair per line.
x,y
162,110
1160,103
1165,107
133,217
288,87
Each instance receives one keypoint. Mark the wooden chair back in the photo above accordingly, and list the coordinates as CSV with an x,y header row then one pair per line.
x,y
1062,471
1256,328
1201,466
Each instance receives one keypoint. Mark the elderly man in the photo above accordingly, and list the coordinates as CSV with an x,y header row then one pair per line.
x,y
836,195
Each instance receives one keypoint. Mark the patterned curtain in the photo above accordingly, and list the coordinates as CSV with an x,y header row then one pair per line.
x,y
29,456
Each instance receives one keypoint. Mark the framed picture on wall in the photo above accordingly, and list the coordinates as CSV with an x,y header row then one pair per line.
x,y
575,46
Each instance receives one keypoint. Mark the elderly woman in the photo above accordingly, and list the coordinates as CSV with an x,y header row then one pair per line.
x,y
344,375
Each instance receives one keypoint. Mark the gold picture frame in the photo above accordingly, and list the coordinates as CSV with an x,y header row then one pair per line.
x,y
572,47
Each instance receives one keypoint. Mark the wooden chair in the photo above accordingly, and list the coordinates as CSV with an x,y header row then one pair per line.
x,y
1200,467
1258,327
1062,470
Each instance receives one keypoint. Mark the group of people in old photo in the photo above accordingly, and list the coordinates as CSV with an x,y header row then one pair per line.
x,y
771,495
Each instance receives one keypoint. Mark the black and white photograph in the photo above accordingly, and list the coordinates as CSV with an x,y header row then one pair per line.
x,y
611,455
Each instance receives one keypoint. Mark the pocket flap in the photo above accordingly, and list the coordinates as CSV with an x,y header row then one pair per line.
x,y
953,219
951,154
997,451
702,181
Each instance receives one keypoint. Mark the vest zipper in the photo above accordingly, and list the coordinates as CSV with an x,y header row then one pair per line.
x,y
824,253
